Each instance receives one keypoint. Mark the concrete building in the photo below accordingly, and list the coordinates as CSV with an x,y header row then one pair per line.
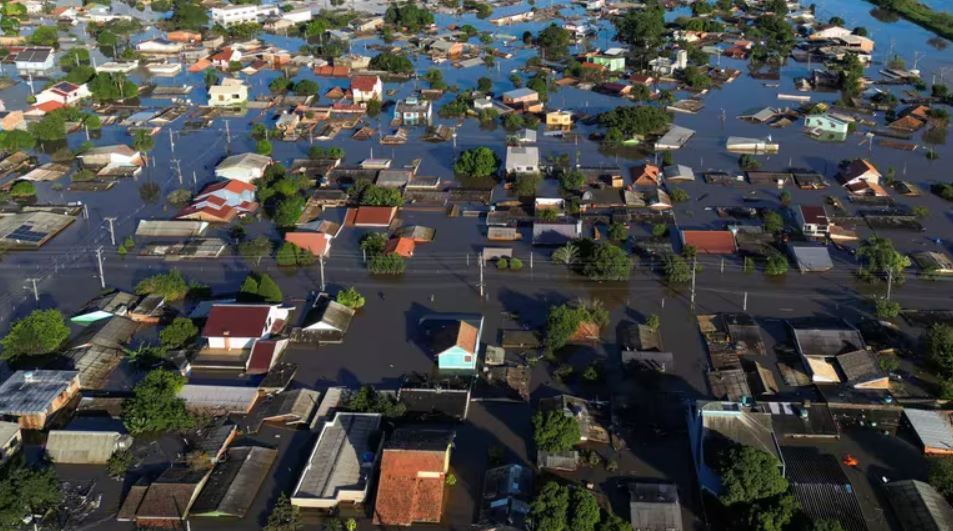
x,y
65,93
342,462
31,397
34,60
366,88
245,167
229,93
414,461
522,159
238,326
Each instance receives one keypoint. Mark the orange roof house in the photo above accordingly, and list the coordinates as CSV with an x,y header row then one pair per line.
x,y
645,175
400,246
317,243
710,241
370,216
413,474
184,36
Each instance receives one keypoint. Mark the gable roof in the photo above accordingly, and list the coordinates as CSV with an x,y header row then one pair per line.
x,y
401,246
33,392
918,506
83,447
317,243
233,484
169,497
364,83
710,241
236,320
411,484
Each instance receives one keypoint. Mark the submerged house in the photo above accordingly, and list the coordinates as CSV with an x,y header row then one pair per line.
x,y
456,343
412,482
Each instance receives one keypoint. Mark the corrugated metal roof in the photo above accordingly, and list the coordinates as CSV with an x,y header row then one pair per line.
x,y
33,392
230,398
82,447
933,428
339,458
919,507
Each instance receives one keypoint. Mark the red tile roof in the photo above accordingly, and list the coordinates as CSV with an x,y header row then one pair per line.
x,y
231,185
401,246
645,175
47,106
261,358
364,83
403,497
317,243
372,216
236,320
710,241
814,215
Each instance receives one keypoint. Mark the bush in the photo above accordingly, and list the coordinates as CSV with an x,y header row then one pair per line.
x,y
290,255
677,195
516,264
373,243
351,298
563,373
119,463
41,332
155,406
171,286
607,262
502,264
178,333
389,264
776,265
23,189
886,310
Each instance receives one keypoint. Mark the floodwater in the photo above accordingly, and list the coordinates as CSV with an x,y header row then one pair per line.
x,y
446,269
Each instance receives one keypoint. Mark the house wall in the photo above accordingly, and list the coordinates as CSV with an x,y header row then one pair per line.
x,y
11,447
231,343
456,358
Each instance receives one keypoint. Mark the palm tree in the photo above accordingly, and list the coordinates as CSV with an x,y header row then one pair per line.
x,y
567,254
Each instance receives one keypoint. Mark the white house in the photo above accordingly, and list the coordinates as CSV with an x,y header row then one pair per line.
x,y
34,60
522,159
160,46
245,167
64,92
238,326
297,15
366,88
830,33
230,93
116,158
242,14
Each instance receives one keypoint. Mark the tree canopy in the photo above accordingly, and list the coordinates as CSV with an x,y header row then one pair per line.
x,y
394,63
408,16
368,400
636,120
171,285
554,431
607,262
26,491
558,507
188,15
643,28
178,333
351,298
748,475
380,196
881,258
477,162
41,332
260,287
155,406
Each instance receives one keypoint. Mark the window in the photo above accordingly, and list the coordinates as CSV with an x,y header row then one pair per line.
x,y
468,359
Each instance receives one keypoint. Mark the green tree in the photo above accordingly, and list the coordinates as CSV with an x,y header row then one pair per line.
x,y
772,222
288,211
373,107
41,332
155,406
549,510
171,286
22,189
477,162
554,42
618,232
773,514
268,289
938,346
44,36
561,323
368,400
248,292
307,87
678,195
16,140
142,140
567,254
263,147
881,258
607,262
26,491
50,127
188,15
393,63
642,28
886,310
585,511
748,162
119,463
373,243
351,298
280,85
283,516
178,333
387,264
380,196
107,87
554,431
827,525
256,248
211,78
526,184
290,254
677,270
749,475
659,230
776,265
484,84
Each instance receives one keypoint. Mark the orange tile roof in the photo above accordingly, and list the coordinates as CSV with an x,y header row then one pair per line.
x,y
645,175
467,337
374,216
400,246
364,83
200,65
403,497
710,241
317,243
47,106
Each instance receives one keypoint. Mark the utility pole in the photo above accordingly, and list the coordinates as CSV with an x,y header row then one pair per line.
x,y
171,142
36,294
112,230
481,279
321,261
99,258
744,305
694,267
889,282
228,135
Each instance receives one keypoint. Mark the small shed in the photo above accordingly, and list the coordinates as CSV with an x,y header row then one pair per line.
x,y
85,447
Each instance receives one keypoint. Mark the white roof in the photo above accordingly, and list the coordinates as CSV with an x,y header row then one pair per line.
x,y
933,428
